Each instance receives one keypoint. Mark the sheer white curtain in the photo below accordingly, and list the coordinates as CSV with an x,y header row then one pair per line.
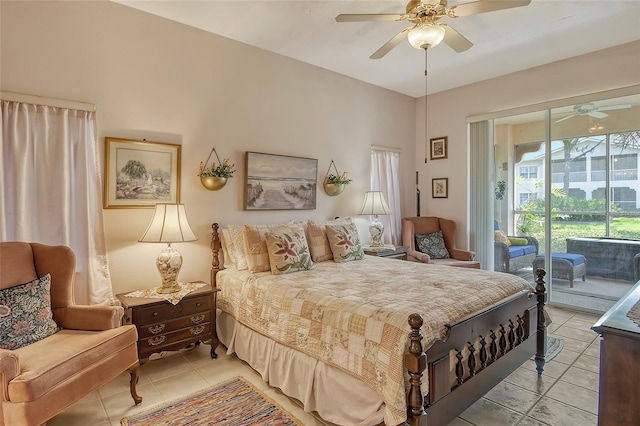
x,y
385,177
50,189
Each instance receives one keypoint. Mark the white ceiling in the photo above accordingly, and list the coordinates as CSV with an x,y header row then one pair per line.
x,y
505,41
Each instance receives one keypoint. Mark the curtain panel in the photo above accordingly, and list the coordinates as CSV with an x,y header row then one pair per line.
x,y
385,177
50,189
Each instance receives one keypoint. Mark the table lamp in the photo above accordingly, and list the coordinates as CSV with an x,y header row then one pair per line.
x,y
169,225
375,204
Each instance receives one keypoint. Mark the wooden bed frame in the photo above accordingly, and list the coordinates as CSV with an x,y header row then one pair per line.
x,y
521,333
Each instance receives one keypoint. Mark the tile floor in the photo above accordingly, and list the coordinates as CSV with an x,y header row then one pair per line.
x,y
565,395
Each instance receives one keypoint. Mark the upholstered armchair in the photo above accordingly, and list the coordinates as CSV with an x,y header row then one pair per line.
x,y
45,366
412,226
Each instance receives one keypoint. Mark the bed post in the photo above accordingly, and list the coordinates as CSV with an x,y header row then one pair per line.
x,y
415,361
215,253
541,335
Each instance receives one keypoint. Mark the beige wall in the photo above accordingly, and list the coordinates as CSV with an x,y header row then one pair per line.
x,y
155,79
448,112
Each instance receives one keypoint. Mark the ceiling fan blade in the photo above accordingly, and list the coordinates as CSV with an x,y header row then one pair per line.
x,y
372,17
455,40
388,46
483,6
612,107
597,114
566,118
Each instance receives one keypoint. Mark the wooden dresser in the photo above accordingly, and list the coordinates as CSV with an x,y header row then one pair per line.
x,y
163,326
619,399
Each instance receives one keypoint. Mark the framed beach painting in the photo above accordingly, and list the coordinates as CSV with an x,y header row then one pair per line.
x,y
440,188
280,182
139,174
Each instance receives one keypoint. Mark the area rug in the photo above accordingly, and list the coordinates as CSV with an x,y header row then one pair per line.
x,y
554,346
235,402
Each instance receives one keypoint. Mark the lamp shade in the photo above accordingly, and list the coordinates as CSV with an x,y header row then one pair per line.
x,y
423,36
374,204
169,225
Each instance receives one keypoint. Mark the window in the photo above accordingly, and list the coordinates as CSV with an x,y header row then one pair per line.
x,y
524,197
528,172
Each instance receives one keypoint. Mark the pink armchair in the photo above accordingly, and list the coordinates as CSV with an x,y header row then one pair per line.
x,y
42,379
428,225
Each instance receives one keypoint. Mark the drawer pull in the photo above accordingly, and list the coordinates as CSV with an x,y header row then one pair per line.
x,y
156,329
155,341
197,319
155,314
197,330
198,304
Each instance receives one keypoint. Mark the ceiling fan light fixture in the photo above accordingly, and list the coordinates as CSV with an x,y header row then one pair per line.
x,y
426,35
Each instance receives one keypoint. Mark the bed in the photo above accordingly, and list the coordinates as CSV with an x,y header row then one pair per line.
x,y
379,341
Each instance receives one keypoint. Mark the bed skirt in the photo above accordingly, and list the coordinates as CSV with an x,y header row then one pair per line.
x,y
335,395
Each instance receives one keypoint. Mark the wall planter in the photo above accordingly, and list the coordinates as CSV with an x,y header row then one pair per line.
x,y
334,184
213,183
215,177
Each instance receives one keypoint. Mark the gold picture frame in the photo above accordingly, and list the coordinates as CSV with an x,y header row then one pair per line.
x,y
440,188
140,174
438,148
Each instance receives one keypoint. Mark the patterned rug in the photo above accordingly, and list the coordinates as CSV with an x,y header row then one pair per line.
x,y
554,346
235,402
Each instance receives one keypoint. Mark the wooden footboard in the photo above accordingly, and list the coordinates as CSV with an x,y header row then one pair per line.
x,y
485,348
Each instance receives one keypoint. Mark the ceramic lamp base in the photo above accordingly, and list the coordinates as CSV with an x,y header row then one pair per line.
x,y
376,229
169,262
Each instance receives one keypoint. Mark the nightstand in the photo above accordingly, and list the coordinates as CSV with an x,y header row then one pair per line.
x,y
163,326
399,252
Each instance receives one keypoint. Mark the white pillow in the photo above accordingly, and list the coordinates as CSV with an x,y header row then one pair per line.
x,y
288,250
345,242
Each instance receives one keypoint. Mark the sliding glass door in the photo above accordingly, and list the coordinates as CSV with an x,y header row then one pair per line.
x,y
566,180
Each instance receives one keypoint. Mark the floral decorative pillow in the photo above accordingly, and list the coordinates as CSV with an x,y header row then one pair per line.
x,y
433,245
501,237
317,238
288,250
255,244
344,242
25,313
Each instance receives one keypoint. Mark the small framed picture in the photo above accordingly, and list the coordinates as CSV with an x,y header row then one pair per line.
x,y
438,148
440,188
140,173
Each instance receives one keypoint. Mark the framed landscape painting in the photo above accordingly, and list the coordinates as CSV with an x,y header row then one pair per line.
x,y
280,182
140,173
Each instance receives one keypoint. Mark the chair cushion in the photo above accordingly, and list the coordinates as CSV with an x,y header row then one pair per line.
x,y
516,251
25,313
62,357
529,249
433,245
575,259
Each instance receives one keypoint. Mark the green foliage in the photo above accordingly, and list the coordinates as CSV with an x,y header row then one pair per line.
x,y
339,179
224,169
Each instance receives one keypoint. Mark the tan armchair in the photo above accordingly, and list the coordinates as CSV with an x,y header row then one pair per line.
x,y
44,378
428,225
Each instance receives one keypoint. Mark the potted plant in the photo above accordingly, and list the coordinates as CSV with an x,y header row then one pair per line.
x,y
215,176
334,183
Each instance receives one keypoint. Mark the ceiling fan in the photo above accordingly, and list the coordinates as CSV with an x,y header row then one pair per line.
x,y
592,110
426,31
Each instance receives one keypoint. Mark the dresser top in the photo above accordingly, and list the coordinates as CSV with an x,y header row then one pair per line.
x,y
616,320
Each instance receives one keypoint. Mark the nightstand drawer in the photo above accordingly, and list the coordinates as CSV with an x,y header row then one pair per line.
x,y
166,310
153,343
163,327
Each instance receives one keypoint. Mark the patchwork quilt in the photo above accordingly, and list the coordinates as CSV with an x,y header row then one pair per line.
x,y
353,315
